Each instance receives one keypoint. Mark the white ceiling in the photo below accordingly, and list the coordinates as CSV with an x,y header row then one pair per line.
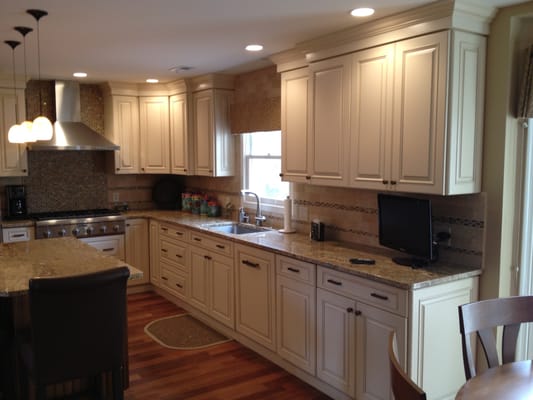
x,y
131,40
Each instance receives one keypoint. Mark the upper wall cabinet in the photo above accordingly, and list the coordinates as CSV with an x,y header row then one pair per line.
x,y
154,128
181,142
13,157
214,152
395,104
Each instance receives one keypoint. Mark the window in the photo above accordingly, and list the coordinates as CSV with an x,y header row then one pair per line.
x,y
261,168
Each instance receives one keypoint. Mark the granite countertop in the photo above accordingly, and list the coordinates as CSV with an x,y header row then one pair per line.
x,y
329,254
51,257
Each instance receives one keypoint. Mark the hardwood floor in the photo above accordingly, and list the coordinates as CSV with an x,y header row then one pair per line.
x,y
224,371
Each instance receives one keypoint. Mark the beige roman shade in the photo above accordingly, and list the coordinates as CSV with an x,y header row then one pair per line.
x,y
257,102
525,100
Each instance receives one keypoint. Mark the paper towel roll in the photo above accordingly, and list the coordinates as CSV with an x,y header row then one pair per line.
x,y
287,215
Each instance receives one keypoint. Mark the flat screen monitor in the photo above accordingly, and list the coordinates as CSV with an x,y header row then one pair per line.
x,y
405,225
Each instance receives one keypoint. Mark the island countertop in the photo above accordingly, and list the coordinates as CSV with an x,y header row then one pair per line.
x,y
51,257
329,254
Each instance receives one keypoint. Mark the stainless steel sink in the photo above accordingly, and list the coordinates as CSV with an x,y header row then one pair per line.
x,y
236,228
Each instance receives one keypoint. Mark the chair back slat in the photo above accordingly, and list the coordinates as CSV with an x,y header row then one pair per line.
x,y
403,388
482,318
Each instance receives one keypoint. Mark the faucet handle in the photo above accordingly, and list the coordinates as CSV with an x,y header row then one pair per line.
x,y
259,219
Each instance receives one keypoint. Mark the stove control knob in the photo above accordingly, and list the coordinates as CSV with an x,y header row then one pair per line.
x,y
89,230
47,234
103,229
116,228
76,231
63,232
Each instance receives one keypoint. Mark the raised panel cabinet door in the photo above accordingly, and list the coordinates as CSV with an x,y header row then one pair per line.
x,y
296,322
255,292
222,289
373,327
336,341
204,133
419,136
331,121
180,142
13,157
137,248
125,133
112,245
199,288
155,251
155,135
224,151
296,107
371,117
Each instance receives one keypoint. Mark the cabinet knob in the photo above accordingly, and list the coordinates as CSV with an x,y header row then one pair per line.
x,y
118,169
24,170
349,310
357,312
385,182
281,174
308,177
393,182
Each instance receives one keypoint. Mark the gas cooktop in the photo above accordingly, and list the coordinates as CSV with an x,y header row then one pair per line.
x,y
97,212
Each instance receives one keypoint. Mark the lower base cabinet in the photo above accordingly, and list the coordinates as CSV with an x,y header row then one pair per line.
x,y
112,245
136,248
255,295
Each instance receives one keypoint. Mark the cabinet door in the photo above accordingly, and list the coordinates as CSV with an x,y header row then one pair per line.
x,y
199,288
331,121
204,133
13,157
255,292
373,327
296,322
180,144
155,265
371,113
222,292
296,106
124,123
137,248
155,135
336,341
419,114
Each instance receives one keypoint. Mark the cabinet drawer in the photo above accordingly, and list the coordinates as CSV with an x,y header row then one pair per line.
x,y
296,269
367,291
175,253
174,281
173,232
214,244
21,234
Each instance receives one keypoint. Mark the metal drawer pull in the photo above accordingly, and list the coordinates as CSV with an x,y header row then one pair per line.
x,y
179,233
221,246
179,256
178,285
250,264
294,270
197,239
108,249
164,278
335,282
17,235
164,250
164,229
379,296
207,257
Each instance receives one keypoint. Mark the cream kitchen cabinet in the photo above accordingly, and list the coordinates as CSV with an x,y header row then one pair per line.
x,y
154,128
155,250
255,295
214,152
296,312
174,259
121,125
417,112
296,105
212,278
330,129
13,157
18,234
181,143
112,245
136,248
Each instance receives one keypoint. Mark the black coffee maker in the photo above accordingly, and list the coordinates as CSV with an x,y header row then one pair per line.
x,y
16,201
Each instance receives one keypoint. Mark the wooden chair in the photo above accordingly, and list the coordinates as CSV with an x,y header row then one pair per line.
x,y
482,318
403,387
78,329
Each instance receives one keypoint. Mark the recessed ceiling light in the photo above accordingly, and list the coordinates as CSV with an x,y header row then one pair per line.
x,y
152,80
254,47
80,74
362,12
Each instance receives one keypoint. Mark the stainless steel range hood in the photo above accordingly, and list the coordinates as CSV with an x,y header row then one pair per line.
x,y
69,132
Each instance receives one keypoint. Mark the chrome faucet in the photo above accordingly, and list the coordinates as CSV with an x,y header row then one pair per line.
x,y
259,218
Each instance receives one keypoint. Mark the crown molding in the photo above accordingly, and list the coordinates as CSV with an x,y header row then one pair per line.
x,y
212,81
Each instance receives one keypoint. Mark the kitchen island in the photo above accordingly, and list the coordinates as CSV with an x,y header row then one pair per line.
x,y
21,261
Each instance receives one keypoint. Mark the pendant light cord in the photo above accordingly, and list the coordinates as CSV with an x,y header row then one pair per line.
x,y
13,44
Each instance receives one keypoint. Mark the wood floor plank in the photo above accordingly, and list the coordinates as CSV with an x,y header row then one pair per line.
x,y
221,372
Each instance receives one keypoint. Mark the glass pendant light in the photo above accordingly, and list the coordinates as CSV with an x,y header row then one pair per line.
x,y
42,127
15,133
26,126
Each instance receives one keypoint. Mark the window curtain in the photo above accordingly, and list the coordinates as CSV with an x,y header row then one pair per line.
x,y
525,101
257,102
